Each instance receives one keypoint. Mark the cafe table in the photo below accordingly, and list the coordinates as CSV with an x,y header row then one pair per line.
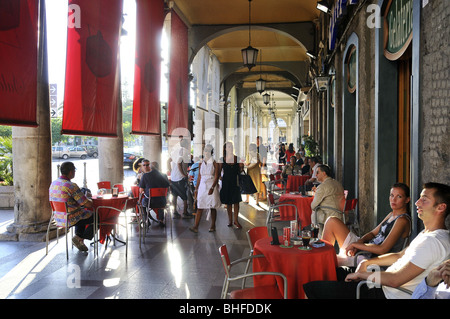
x,y
295,181
303,204
299,266
108,216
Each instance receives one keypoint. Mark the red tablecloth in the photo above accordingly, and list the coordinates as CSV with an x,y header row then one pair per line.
x,y
108,216
295,181
303,204
299,266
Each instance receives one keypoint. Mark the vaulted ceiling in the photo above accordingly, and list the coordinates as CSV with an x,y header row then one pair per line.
x,y
282,30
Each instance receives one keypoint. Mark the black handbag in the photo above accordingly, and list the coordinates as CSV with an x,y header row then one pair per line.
x,y
246,184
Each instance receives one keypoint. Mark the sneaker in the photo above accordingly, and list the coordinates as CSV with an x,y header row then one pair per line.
x,y
186,216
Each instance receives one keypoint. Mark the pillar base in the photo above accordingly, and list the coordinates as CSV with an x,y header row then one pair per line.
x,y
33,233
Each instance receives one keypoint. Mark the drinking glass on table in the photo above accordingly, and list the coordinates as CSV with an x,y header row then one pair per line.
x,y
306,237
315,231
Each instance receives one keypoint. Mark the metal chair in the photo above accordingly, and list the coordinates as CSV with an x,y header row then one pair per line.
x,y
261,292
273,214
115,224
58,207
149,208
349,214
276,185
253,235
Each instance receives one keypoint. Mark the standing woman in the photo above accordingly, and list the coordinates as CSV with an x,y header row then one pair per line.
x,y
206,190
253,165
230,194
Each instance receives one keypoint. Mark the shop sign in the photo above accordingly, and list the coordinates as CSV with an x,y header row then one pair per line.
x,y
398,26
338,10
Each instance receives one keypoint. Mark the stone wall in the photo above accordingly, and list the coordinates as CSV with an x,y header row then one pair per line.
x,y
6,197
435,103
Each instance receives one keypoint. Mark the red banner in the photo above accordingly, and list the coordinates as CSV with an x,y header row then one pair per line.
x,y
92,85
18,62
147,73
177,116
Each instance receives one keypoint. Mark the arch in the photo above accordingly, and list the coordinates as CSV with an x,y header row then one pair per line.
x,y
201,35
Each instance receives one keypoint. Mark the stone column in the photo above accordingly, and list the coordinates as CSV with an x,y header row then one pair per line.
x,y
32,162
153,148
110,159
110,152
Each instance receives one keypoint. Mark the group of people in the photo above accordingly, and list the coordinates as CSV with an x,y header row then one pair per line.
x,y
422,267
214,183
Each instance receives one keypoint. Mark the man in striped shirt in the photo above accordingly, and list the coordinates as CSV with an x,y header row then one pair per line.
x,y
79,206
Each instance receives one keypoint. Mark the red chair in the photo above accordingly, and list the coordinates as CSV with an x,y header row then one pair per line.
x,y
104,184
273,214
58,207
253,235
154,192
120,187
349,214
261,292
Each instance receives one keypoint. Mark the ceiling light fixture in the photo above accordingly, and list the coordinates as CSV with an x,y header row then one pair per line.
x,y
249,54
323,6
260,84
266,98
312,56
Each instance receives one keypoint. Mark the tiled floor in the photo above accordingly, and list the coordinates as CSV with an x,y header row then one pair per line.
x,y
174,263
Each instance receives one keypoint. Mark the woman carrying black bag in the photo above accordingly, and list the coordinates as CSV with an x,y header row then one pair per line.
x,y
230,193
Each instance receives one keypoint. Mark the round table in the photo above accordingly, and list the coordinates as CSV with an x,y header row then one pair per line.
x,y
299,266
303,204
108,216
295,181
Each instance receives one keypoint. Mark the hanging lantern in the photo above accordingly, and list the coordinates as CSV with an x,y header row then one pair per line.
x,y
249,54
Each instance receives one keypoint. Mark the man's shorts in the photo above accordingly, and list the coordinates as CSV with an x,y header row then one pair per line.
x,y
179,188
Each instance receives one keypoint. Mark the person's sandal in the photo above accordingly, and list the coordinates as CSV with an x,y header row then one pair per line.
x,y
79,244
194,230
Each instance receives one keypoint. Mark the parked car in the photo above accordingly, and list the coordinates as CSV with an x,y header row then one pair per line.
x,y
92,150
60,152
66,152
129,159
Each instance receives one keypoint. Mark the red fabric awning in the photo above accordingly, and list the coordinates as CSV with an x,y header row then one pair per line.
x,y
18,62
147,74
92,85
177,117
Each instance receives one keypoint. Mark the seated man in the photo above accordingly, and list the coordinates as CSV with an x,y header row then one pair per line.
x,y
80,207
407,268
154,179
329,193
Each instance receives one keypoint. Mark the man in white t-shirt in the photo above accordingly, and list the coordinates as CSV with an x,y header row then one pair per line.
x,y
407,268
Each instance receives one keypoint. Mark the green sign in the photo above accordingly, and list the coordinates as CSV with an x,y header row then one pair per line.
x,y
398,25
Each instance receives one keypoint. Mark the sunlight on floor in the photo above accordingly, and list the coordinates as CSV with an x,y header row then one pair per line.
x,y
24,272
175,263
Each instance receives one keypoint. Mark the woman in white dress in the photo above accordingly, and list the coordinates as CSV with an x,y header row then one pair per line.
x,y
207,190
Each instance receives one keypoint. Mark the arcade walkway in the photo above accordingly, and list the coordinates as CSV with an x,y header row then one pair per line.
x,y
174,263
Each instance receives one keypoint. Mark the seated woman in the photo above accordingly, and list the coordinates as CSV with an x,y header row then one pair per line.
x,y
292,168
388,236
